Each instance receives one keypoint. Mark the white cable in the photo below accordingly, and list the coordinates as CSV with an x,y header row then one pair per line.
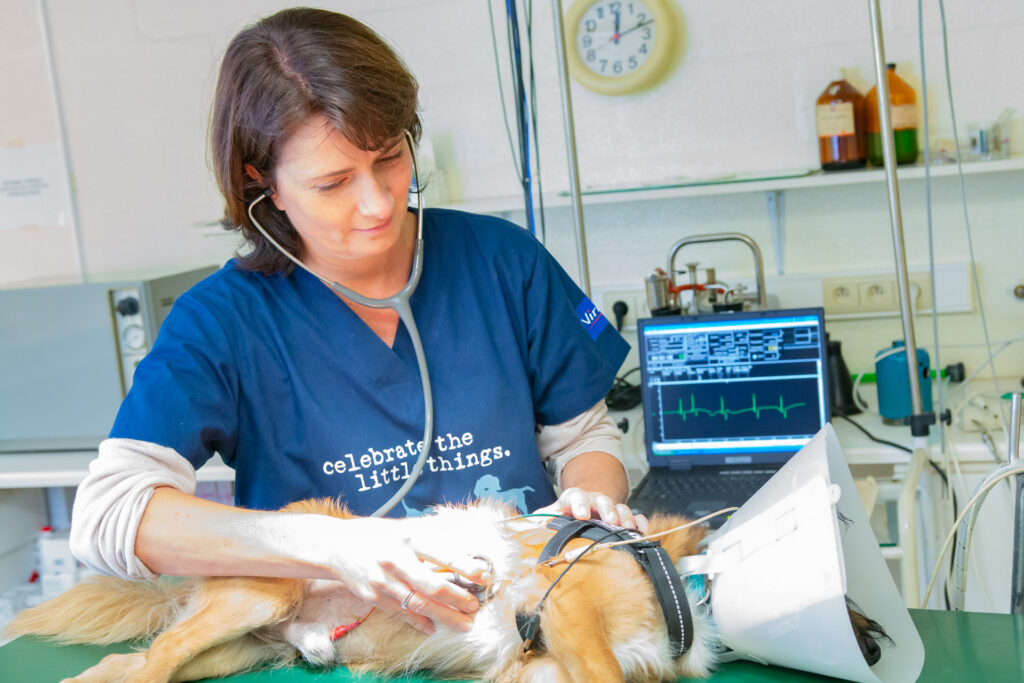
x,y
954,459
964,536
1008,470
963,199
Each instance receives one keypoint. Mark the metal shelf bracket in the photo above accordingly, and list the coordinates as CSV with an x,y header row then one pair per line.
x,y
776,200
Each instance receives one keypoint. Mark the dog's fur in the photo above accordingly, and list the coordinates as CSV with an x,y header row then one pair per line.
x,y
600,623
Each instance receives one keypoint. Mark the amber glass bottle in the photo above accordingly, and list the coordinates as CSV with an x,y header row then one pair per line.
x,y
904,121
840,115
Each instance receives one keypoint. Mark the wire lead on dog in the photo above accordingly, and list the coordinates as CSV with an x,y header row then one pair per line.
x,y
573,555
344,629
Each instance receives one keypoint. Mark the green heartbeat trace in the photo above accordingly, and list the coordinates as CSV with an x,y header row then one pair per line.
x,y
726,412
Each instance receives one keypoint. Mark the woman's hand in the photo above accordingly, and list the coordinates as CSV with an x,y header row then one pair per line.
x,y
380,563
576,502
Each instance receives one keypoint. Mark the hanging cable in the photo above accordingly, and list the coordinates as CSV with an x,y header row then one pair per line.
x,y
501,95
519,87
525,109
533,119
963,199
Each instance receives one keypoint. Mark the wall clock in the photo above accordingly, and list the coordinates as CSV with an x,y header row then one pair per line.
x,y
617,47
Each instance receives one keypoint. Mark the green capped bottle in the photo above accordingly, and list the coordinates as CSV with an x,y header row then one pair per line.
x,y
903,110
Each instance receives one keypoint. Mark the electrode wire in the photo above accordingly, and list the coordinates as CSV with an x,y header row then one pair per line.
x,y
572,556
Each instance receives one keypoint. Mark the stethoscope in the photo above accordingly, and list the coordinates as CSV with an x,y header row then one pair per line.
x,y
398,302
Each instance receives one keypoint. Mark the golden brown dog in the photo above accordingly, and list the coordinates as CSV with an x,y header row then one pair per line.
x,y
600,623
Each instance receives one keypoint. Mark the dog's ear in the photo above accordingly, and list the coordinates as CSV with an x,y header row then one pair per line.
x,y
868,633
678,543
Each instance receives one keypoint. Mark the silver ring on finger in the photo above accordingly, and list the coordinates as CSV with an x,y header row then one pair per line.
x,y
405,601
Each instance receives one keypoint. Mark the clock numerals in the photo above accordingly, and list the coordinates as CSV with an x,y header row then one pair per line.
x,y
614,37
621,46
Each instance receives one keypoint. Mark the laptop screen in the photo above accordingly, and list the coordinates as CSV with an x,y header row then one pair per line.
x,y
732,388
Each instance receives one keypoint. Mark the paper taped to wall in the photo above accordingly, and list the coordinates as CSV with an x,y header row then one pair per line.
x,y
34,189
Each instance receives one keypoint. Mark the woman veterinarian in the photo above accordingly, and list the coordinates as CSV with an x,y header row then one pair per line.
x,y
307,394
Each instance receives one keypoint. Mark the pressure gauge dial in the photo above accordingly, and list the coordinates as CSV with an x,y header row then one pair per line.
x,y
133,338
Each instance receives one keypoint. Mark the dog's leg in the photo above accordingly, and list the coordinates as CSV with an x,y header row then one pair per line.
x,y
575,634
240,654
223,610
111,669
543,669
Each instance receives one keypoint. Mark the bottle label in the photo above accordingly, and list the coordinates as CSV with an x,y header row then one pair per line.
x,y
835,118
904,116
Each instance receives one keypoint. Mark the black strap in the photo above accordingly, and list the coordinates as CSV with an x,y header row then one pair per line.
x,y
655,562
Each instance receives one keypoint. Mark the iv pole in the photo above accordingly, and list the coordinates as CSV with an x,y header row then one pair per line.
x,y
570,146
919,420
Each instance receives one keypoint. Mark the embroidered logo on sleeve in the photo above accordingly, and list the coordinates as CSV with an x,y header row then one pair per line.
x,y
591,318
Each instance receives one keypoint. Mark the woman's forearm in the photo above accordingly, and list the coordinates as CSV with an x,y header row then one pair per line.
x,y
599,473
182,535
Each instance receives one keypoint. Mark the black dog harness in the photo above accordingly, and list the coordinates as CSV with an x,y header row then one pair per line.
x,y
649,555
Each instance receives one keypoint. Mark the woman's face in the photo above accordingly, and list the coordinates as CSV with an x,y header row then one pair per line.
x,y
348,205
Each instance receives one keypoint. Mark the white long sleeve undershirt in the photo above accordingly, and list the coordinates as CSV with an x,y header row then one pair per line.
x,y
112,498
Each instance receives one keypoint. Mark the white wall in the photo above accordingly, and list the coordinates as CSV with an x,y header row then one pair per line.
x,y
136,77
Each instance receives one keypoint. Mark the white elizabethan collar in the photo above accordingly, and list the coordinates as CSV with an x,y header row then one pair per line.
x,y
783,564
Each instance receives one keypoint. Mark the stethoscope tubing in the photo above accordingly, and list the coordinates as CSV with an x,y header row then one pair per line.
x,y
400,303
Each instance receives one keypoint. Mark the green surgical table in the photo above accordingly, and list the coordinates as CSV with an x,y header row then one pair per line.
x,y
965,646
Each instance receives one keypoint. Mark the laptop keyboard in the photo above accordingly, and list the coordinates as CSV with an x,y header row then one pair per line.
x,y
734,486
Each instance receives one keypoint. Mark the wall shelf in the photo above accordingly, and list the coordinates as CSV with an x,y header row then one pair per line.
x,y
740,184
773,184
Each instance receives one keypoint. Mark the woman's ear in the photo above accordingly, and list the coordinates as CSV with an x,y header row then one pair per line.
x,y
251,171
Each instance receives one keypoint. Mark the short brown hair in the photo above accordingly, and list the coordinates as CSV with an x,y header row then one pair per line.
x,y
275,75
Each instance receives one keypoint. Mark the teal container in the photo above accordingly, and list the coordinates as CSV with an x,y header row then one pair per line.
x,y
894,385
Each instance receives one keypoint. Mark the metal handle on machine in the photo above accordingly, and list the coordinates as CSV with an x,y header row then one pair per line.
x,y
762,295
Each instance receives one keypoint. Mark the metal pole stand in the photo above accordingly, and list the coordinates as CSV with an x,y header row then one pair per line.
x,y
1017,570
919,420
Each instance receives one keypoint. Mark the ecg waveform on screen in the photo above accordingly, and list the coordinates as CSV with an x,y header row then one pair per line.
x,y
694,411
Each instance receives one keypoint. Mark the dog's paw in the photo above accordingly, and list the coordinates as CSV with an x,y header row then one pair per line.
x,y
312,641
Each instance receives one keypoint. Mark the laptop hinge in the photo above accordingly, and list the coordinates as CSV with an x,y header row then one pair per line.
x,y
679,465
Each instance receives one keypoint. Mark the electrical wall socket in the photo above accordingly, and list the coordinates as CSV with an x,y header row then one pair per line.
x,y
635,299
874,293
841,296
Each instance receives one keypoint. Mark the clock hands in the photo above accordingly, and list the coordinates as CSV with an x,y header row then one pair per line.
x,y
618,18
616,36
640,25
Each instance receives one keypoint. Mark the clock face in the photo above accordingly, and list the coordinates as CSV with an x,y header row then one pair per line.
x,y
621,46
614,39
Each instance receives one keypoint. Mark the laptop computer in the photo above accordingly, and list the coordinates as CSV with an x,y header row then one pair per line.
x,y
728,398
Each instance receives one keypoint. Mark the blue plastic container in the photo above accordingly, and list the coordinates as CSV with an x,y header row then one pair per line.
x,y
894,385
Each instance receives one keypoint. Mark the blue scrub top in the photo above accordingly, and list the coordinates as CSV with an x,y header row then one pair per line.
x,y
300,397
